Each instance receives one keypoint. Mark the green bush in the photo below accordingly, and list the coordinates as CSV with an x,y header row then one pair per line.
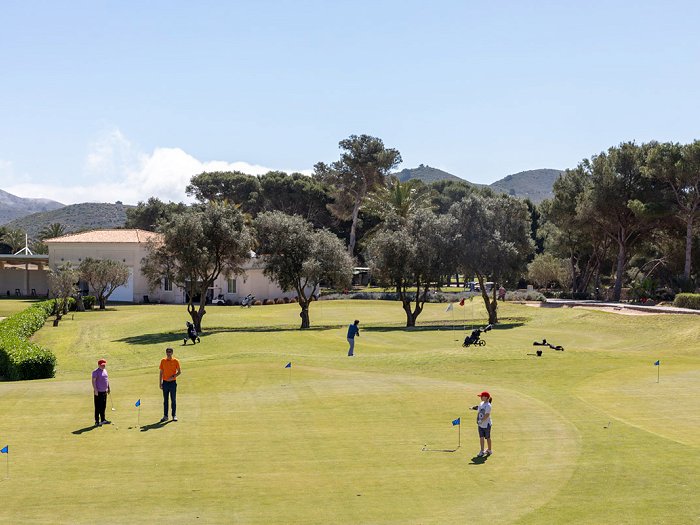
x,y
89,302
687,300
19,358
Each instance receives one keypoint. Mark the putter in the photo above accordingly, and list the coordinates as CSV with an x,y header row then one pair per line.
x,y
111,401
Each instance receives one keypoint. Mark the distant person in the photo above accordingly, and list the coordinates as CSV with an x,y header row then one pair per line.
x,y
169,370
353,330
483,422
501,294
100,389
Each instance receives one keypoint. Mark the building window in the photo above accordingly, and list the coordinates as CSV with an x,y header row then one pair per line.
x,y
167,285
231,285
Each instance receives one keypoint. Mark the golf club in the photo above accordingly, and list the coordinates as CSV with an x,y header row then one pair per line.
x,y
111,401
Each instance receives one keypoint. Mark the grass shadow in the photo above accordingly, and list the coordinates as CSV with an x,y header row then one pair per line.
x,y
153,426
83,430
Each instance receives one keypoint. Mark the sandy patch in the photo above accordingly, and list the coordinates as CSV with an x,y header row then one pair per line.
x,y
612,309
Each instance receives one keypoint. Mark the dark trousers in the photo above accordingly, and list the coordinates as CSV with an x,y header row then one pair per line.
x,y
169,390
100,406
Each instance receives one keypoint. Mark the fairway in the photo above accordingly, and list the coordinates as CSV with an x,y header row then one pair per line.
x,y
581,436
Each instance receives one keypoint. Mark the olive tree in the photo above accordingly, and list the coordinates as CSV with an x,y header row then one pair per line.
x,y
300,258
197,246
414,254
103,276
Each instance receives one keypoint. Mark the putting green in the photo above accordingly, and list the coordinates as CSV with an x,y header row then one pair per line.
x,y
348,444
367,439
669,408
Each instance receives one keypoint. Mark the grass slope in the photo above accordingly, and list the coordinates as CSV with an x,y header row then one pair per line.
x,y
360,440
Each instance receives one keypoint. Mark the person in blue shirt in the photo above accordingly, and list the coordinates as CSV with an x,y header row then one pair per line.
x,y
353,330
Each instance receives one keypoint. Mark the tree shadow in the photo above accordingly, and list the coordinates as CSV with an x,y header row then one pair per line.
x,y
153,426
83,430
149,339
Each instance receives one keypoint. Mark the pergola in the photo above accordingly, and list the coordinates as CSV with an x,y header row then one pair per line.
x,y
27,262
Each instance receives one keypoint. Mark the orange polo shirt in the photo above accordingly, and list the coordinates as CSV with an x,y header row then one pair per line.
x,y
169,368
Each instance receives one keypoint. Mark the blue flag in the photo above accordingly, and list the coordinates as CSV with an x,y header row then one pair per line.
x,y
657,363
288,365
6,449
455,422
138,403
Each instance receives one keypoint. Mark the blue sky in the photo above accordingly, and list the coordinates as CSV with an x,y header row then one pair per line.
x,y
103,100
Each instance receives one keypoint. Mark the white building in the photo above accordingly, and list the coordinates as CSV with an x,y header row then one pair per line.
x,y
130,247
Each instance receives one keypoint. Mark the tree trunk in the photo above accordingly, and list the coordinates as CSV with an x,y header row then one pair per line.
x,y
103,302
410,317
304,314
688,247
621,256
197,314
353,226
490,305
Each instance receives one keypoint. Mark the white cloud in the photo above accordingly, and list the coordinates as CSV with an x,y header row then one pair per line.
x,y
121,172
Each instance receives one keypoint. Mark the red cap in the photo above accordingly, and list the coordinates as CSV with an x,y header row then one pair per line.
x,y
102,362
484,393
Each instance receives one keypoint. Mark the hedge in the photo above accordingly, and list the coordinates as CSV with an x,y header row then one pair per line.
x,y
20,358
687,300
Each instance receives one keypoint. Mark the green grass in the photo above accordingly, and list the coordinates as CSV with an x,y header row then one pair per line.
x,y
344,441
10,306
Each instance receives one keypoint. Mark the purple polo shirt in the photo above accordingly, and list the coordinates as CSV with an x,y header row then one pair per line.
x,y
101,380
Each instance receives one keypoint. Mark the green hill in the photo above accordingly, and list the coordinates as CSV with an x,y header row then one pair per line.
x,y
75,217
425,174
535,185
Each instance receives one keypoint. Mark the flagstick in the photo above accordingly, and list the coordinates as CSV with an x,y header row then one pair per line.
x,y
658,372
459,434
138,417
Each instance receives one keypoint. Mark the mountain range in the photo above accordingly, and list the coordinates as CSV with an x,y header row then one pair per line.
x,y
12,207
74,218
32,215
535,185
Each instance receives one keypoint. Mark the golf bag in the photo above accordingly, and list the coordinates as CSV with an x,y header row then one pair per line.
x,y
191,334
475,337
248,300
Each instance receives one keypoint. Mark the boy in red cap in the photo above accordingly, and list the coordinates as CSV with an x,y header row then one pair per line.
x,y
483,421
100,388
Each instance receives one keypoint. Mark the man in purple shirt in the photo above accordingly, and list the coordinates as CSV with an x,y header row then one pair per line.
x,y
100,387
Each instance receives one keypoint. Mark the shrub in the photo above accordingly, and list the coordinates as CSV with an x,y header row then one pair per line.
x,y
257,303
279,301
687,300
268,301
285,300
19,358
89,302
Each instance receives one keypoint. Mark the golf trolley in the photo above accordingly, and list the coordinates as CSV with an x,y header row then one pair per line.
x,y
248,300
475,337
191,334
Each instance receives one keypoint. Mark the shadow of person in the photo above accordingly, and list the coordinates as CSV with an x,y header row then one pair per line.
x,y
83,430
478,460
153,426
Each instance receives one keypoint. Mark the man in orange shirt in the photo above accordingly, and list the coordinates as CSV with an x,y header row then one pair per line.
x,y
169,370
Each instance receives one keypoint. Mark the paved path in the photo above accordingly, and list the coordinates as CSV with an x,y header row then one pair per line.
x,y
624,306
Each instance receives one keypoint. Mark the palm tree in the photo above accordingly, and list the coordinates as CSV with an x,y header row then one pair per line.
x,y
399,199
15,239
51,231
